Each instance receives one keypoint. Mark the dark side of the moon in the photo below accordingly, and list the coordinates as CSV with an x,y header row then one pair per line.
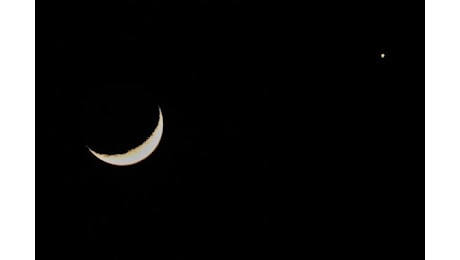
x,y
118,118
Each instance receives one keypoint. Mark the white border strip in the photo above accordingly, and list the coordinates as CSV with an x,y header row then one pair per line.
x,y
442,126
17,129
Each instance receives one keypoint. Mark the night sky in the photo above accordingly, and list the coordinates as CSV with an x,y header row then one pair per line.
x,y
286,135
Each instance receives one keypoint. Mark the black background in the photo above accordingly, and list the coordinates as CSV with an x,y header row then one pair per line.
x,y
286,135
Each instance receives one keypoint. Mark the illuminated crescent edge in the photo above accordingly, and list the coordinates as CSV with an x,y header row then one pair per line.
x,y
137,154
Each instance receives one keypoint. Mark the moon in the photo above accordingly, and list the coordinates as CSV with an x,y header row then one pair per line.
x,y
137,154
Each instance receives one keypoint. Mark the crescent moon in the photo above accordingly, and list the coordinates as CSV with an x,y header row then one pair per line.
x,y
137,154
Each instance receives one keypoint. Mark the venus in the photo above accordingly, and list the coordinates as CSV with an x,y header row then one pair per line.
x,y
136,154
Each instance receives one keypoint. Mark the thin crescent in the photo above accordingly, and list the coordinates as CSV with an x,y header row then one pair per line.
x,y
137,154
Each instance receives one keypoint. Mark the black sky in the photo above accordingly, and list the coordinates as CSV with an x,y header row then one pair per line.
x,y
285,133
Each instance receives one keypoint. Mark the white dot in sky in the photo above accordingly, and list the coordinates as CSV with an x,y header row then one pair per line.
x,y
382,55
